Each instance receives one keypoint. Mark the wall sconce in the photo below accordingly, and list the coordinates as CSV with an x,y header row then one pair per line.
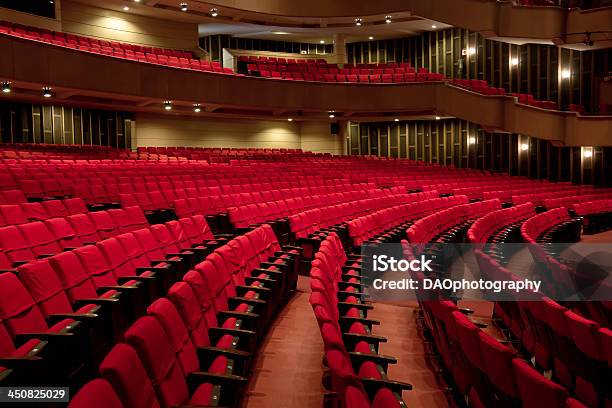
x,y
524,147
514,61
565,74
471,140
587,152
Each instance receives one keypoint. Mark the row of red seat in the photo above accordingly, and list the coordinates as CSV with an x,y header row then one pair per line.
x,y
113,279
255,213
576,349
153,55
104,264
293,198
331,69
353,78
551,203
363,228
484,227
478,85
592,207
427,229
158,360
32,240
358,373
308,223
538,224
14,214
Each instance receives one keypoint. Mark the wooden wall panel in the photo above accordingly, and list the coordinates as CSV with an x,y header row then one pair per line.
x,y
467,145
83,19
459,53
28,123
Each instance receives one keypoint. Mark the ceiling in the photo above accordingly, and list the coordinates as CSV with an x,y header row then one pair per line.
x,y
267,27
251,24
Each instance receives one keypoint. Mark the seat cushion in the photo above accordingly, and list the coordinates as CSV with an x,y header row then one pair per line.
x,y
202,396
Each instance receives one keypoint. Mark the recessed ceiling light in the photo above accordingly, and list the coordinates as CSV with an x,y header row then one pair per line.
x,y
388,19
358,22
126,8
322,42
438,118
332,114
168,105
290,119
214,12
137,1
47,92
6,87
184,6
396,119
434,26
370,38
197,108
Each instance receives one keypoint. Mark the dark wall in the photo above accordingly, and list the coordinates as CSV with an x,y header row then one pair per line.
x,y
30,123
538,70
44,8
467,145
214,45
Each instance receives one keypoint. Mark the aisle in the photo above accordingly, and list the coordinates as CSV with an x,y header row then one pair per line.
x,y
398,324
288,367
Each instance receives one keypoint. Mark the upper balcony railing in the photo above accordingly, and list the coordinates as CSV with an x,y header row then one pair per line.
x,y
99,81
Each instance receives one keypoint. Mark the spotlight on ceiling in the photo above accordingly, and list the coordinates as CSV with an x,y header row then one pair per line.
x,y
136,1
438,118
46,92
358,22
289,119
370,38
168,105
587,40
434,26
396,119
184,6
197,108
524,147
6,87
51,2
214,12
388,19
126,8
322,42
471,140
332,114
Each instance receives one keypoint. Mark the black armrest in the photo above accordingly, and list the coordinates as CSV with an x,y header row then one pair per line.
x,y
196,378
123,279
358,359
370,322
372,385
56,317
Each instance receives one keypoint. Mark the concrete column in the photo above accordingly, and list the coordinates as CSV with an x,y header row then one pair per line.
x,y
340,49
